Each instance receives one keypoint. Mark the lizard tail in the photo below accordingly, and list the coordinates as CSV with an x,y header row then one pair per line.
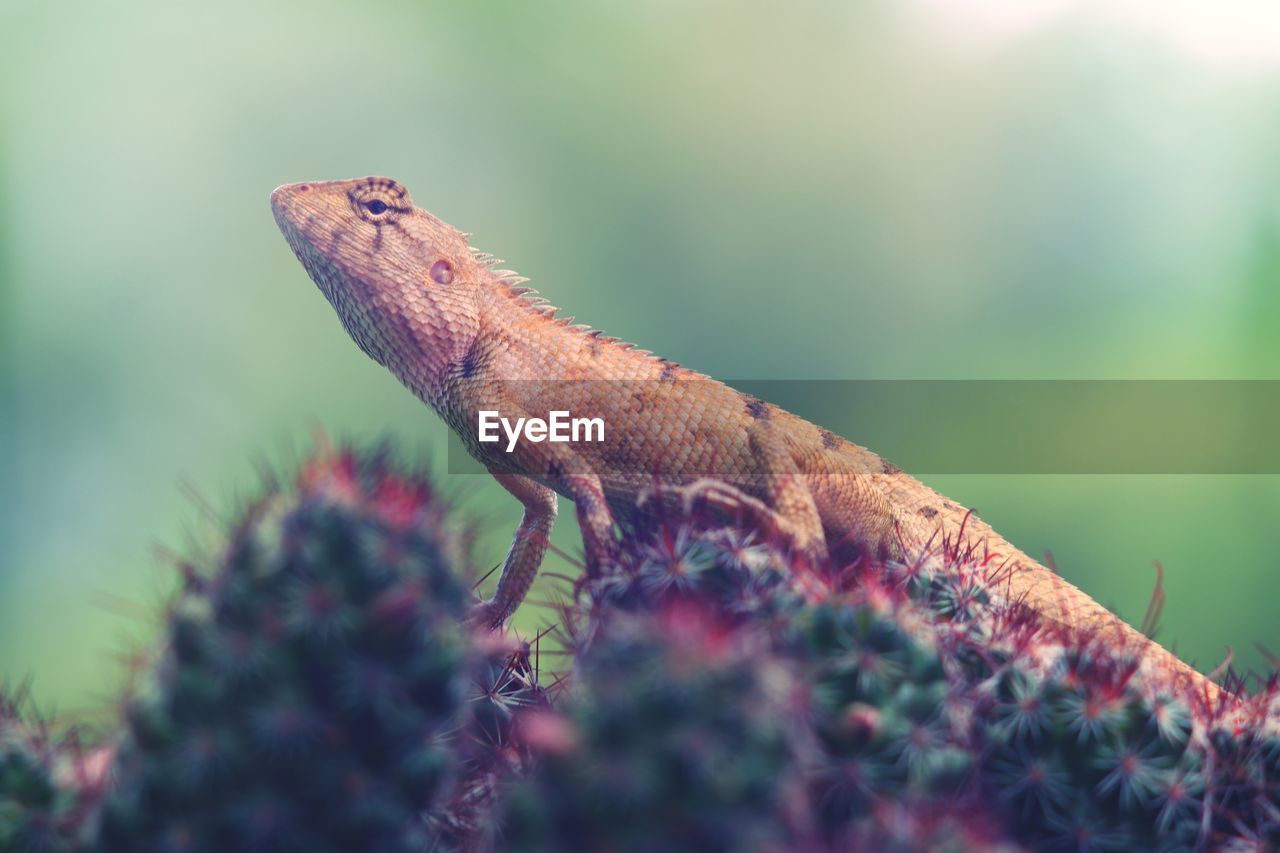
x,y
928,519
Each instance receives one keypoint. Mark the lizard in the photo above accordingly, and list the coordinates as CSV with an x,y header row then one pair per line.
x,y
462,334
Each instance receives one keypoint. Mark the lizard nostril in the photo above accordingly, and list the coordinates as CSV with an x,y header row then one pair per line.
x,y
303,187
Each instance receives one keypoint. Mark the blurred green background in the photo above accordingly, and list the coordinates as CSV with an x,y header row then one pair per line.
x,y
915,189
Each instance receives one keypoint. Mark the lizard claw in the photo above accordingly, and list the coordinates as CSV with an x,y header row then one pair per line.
x,y
721,497
729,499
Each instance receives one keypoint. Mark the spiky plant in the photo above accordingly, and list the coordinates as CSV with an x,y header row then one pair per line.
x,y
1083,749
933,708
308,679
813,715
48,781
677,737
487,751
318,688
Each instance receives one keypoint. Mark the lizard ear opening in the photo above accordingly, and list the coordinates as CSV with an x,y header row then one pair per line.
x,y
442,272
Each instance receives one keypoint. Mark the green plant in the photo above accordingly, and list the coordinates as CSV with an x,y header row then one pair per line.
x,y
309,679
318,687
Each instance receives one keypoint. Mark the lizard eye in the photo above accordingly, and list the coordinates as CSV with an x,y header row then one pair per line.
x,y
378,199
442,272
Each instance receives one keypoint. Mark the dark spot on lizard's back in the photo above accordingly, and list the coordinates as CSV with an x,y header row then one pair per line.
x,y
889,468
928,511
470,362
830,441
668,373
758,409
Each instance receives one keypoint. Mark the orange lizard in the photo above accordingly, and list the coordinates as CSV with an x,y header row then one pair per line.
x,y
466,337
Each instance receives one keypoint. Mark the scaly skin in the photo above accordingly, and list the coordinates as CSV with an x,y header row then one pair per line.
x,y
464,337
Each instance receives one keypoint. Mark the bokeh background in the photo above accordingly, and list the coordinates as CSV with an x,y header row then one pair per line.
x,y
912,189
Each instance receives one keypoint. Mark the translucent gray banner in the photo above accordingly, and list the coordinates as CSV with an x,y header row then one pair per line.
x,y
971,427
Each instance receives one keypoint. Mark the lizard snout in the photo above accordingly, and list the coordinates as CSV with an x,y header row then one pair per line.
x,y
283,195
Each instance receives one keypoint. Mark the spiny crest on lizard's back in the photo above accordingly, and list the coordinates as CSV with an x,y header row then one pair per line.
x,y
513,287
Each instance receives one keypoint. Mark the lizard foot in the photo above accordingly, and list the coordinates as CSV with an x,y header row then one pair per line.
x,y
730,500
722,497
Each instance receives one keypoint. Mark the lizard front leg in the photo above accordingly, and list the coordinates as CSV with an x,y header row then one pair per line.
x,y
599,543
528,547
571,474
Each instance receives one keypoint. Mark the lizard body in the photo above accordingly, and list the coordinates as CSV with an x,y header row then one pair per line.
x,y
464,336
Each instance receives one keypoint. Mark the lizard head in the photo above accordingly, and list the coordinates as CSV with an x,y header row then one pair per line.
x,y
404,283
